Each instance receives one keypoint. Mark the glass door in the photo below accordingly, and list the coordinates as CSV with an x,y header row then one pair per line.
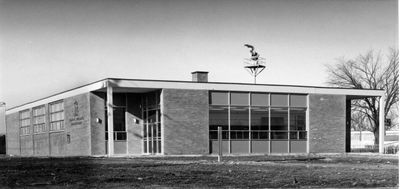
x,y
152,125
152,138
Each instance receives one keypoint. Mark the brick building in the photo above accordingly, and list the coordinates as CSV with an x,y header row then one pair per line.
x,y
182,117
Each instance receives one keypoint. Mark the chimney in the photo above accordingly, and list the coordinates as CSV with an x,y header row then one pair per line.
x,y
200,76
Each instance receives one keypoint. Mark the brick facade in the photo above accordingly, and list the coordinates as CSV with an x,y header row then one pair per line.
x,y
184,126
97,124
327,123
77,125
12,136
184,119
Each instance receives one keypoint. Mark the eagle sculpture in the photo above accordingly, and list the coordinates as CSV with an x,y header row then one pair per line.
x,y
254,54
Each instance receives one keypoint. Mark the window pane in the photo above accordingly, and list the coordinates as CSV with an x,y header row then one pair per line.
x,y
298,119
259,119
152,116
240,99
119,99
279,123
152,100
25,114
298,100
259,99
279,119
293,135
159,147
239,123
121,135
264,135
279,100
279,135
144,131
218,117
303,135
219,98
119,119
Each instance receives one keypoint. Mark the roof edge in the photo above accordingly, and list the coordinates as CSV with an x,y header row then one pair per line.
x,y
178,81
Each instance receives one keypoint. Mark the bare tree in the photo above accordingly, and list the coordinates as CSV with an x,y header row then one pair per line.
x,y
369,71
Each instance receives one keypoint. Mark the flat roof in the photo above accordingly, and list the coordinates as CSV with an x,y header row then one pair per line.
x,y
133,84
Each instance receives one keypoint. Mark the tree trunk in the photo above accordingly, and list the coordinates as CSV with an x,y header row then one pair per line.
x,y
376,135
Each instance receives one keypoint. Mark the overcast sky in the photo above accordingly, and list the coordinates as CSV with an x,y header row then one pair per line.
x,y
48,46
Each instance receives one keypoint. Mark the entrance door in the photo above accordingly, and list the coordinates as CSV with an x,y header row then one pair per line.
x,y
152,138
152,123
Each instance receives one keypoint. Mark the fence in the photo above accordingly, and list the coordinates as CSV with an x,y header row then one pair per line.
x,y
390,148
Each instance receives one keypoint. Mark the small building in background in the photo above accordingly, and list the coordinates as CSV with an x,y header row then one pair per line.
x,y
2,128
136,117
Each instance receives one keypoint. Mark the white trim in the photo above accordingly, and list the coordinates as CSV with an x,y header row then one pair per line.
x,y
244,87
60,96
110,121
158,84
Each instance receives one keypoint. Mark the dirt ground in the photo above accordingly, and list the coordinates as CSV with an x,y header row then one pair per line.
x,y
201,172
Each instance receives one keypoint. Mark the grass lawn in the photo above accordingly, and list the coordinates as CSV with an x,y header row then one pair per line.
x,y
239,172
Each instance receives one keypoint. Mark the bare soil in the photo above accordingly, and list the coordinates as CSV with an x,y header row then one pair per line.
x,y
331,171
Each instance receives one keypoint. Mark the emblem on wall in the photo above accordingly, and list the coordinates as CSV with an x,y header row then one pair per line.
x,y
76,119
76,109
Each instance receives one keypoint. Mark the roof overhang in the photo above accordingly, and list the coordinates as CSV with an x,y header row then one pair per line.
x,y
243,87
138,86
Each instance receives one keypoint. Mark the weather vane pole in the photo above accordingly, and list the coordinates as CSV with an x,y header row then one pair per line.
x,y
255,64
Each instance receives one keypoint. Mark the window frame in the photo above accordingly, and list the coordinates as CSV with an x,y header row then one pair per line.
x,y
41,126
51,113
25,129
253,133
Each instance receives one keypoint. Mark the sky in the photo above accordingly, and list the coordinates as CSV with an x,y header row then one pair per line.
x,y
49,46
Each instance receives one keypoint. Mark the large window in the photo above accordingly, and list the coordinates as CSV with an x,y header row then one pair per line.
x,y
119,124
239,122
25,122
297,123
279,123
56,110
39,114
219,118
259,123
258,116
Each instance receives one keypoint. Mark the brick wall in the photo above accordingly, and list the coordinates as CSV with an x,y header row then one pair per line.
x,y
77,125
26,145
58,144
41,144
327,123
12,136
97,122
184,116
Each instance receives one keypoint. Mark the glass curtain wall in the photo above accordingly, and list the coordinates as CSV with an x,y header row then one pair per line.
x,y
149,108
255,122
152,123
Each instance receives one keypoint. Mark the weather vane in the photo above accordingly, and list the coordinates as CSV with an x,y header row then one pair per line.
x,y
256,64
